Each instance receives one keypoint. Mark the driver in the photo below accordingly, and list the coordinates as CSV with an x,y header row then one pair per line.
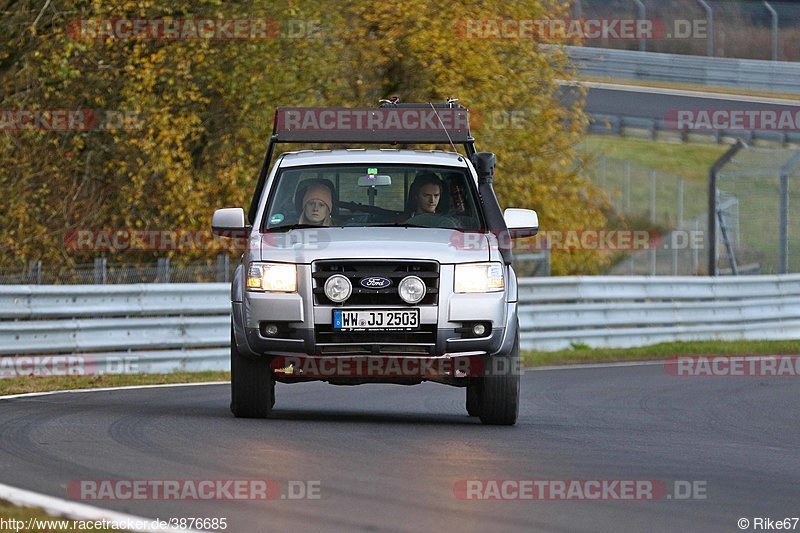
x,y
317,204
426,191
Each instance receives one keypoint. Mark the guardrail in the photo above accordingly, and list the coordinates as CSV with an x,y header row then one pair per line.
x,y
620,124
186,327
611,311
774,76
163,327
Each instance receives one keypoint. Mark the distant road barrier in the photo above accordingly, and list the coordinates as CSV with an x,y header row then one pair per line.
x,y
186,327
620,125
775,76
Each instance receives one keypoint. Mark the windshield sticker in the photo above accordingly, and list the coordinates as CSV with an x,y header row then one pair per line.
x,y
372,171
276,219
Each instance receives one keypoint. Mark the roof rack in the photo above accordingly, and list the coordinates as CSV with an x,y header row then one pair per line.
x,y
392,123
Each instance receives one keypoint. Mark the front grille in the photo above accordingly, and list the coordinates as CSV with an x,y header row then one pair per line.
x,y
422,341
355,271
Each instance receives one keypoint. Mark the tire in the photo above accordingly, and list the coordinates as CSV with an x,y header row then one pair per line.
x,y
499,399
474,398
252,385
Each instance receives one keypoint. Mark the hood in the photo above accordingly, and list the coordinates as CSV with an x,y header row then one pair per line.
x,y
311,244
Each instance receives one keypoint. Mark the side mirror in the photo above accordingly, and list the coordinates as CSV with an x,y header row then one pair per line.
x,y
521,222
229,222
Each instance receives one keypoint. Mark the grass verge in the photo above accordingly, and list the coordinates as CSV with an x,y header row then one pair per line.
x,y
577,355
690,161
35,520
21,385
583,354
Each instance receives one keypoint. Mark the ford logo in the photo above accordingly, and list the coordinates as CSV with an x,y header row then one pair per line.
x,y
375,282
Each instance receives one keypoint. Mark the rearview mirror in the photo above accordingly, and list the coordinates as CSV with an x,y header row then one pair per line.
x,y
521,222
374,180
229,222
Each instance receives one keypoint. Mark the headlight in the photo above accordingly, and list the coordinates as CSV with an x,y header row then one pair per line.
x,y
411,289
479,277
272,277
338,288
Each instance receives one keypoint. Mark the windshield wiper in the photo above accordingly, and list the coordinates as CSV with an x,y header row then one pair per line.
x,y
395,225
278,229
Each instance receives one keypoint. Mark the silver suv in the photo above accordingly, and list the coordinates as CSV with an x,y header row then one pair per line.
x,y
376,265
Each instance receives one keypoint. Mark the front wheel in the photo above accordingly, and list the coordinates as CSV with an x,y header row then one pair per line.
x,y
252,385
474,398
499,398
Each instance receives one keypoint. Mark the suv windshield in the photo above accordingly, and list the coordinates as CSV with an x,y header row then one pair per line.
x,y
373,195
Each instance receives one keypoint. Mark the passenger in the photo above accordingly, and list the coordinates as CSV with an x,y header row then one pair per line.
x,y
317,204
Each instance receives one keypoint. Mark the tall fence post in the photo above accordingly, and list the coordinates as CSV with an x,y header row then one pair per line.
x,y
710,29
642,16
774,15
713,174
627,187
695,249
653,196
783,228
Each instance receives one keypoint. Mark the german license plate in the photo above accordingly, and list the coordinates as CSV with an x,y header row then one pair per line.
x,y
375,319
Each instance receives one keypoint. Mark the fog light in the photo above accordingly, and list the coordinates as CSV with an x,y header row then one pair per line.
x,y
270,330
478,330
411,289
338,288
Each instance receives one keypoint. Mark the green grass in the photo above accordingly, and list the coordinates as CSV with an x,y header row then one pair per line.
x,y
20,385
584,354
580,353
9,511
758,197
690,161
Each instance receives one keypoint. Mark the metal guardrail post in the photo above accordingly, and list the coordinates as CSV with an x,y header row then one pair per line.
x,y
774,15
713,173
223,268
546,262
100,271
163,270
710,36
35,272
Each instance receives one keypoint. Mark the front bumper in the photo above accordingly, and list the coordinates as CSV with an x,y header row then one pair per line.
x,y
301,322
448,341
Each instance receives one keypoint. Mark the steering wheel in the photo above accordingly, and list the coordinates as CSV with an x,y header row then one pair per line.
x,y
434,220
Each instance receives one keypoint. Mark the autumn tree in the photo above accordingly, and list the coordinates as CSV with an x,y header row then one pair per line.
x,y
203,109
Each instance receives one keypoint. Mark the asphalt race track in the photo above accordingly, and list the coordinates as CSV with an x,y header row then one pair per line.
x,y
645,102
388,457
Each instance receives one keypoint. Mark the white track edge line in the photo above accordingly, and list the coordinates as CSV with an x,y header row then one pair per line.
x,y
74,510
595,365
106,389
